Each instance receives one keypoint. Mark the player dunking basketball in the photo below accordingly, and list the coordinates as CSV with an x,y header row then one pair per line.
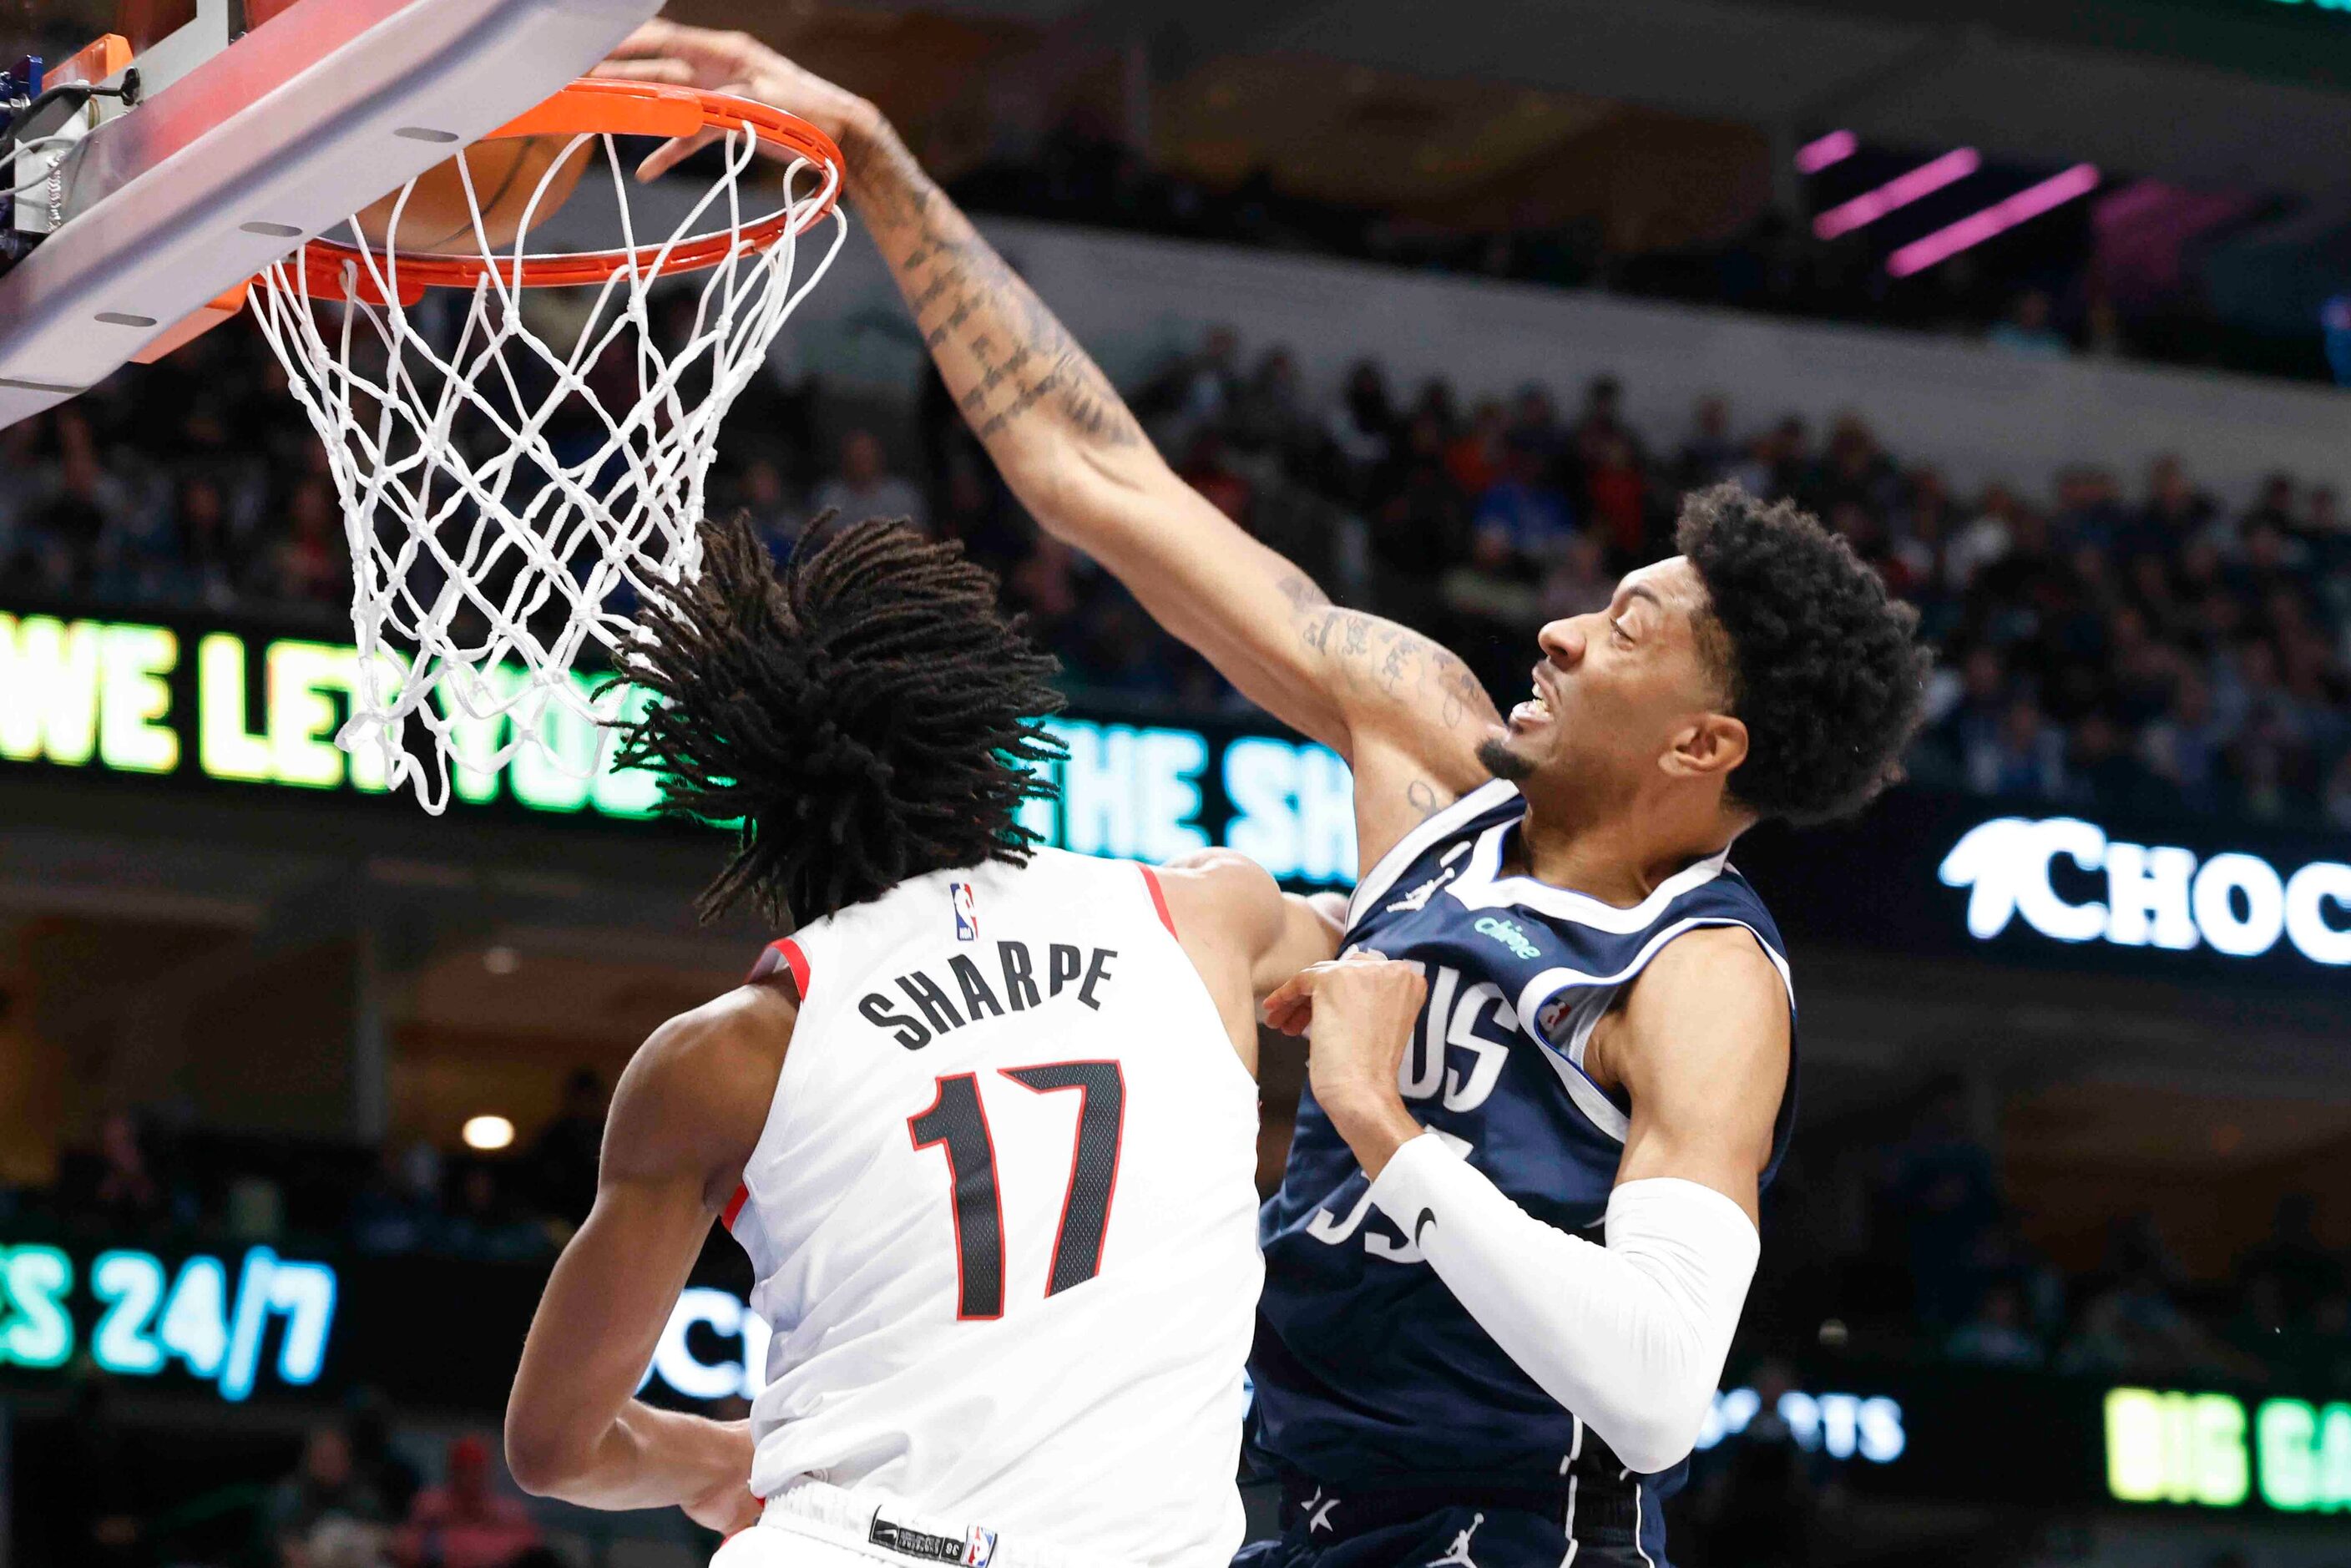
x,y
985,1124
1587,1026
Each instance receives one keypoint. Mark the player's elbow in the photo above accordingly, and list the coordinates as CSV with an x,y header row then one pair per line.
x,y
544,1459
1656,1437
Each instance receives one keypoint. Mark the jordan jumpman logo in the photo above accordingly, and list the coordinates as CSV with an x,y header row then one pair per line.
x,y
1458,1557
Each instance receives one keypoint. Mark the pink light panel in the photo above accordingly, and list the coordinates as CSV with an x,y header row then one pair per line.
x,y
1998,218
1835,148
1898,191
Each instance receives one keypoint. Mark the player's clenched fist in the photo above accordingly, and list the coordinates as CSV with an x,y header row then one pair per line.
x,y
1359,1012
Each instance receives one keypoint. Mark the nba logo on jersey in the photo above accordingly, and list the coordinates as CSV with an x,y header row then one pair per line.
x,y
980,1548
1554,1014
967,911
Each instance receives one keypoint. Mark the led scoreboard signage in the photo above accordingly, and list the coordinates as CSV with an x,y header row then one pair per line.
x,y
2215,1451
2236,905
231,707
227,1323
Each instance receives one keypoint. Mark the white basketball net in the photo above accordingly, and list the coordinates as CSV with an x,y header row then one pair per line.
x,y
507,499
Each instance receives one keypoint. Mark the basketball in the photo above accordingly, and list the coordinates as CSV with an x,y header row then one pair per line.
x,y
505,173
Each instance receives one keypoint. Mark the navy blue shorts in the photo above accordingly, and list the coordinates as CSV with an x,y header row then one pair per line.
x,y
1464,1536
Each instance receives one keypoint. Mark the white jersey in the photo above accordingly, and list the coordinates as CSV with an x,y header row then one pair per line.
x,y
1003,1215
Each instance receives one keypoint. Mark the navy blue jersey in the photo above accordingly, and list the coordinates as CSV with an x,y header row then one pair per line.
x,y
1366,1368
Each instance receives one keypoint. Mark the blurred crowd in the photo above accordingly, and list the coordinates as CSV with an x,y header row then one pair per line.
x,y
2129,641
154,1178
2052,296
356,1489
1943,1249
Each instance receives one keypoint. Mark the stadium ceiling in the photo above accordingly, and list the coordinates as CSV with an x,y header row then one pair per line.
x,y
2214,93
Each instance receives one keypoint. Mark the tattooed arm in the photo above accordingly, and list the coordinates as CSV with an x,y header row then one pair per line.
x,y
1407,714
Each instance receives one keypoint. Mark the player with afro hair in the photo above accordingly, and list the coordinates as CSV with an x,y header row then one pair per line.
x,y
1821,664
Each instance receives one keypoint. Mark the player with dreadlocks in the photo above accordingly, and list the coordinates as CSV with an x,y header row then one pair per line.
x,y
985,1122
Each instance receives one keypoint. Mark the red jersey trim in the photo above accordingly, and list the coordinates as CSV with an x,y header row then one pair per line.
x,y
1158,899
734,1205
787,952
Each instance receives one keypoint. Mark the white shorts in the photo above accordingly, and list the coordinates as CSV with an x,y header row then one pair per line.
x,y
810,1524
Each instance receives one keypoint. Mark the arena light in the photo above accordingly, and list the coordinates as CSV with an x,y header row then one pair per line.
x,y
1998,218
1900,192
487,1134
1835,148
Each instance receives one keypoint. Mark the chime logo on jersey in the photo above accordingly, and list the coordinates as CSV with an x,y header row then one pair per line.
x,y
1508,935
967,911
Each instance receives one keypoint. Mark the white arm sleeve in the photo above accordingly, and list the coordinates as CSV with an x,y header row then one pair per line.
x,y
1631,1336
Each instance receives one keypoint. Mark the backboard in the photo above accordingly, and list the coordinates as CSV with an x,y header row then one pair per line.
x,y
257,124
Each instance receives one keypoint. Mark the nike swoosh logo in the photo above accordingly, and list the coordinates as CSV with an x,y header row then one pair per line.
x,y
1427,1217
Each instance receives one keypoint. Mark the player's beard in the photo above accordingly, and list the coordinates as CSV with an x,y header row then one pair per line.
x,y
1495,754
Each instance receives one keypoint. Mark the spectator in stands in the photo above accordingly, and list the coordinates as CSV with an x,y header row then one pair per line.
x,y
1361,425
2102,770
2262,1327
1197,392
768,500
397,1210
1761,1498
118,1188
2135,1323
1207,470
2029,327
1270,415
2302,1268
323,1511
463,1522
2175,512
2089,510
864,487
1709,454
1473,459
211,572
1942,1193
2183,748
1490,597
2336,806
1579,583
1983,540
1996,1335
376,1464
1599,422
2024,755
100,1514
310,566
1617,497
486,1226
1417,528
1522,506
562,1158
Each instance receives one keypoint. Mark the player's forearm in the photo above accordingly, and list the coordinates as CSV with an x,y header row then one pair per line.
x,y
643,1458
1070,449
1031,394
1631,1336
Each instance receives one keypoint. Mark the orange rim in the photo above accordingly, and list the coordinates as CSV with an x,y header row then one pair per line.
x,y
594,106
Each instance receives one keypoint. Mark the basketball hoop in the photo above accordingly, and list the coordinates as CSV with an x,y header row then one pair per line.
x,y
507,499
